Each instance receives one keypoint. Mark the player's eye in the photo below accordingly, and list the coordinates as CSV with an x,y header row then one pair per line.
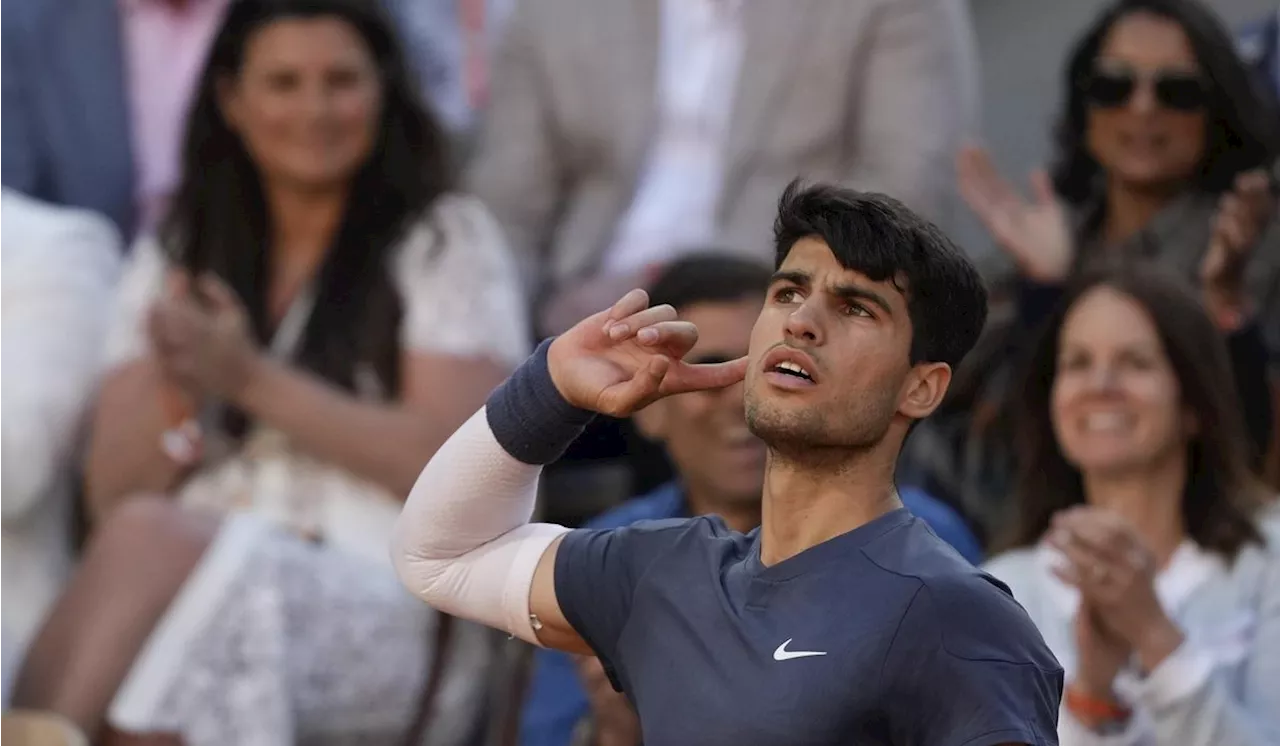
x,y
786,295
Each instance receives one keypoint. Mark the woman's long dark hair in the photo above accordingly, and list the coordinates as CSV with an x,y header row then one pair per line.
x,y
1244,124
1222,497
219,221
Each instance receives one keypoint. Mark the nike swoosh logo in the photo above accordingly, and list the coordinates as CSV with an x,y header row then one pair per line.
x,y
782,654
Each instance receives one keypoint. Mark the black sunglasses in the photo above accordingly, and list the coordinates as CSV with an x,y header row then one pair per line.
x,y
1178,91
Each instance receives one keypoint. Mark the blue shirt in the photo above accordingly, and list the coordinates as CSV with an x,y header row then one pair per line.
x,y
556,702
714,659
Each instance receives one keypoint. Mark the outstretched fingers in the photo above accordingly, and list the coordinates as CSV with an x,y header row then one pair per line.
x,y
628,305
623,328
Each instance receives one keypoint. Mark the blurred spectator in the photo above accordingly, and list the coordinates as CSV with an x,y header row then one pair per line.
x,y
59,271
1162,152
719,468
623,133
96,95
318,313
1145,550
451,43
95,100
1159,148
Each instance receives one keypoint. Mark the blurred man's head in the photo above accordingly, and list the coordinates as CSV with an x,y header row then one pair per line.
x,y
705,433
870,309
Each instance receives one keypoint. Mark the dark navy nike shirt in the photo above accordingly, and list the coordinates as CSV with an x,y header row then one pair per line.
x,y
918,647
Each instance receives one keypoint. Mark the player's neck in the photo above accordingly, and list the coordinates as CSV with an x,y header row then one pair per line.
x,y
804,505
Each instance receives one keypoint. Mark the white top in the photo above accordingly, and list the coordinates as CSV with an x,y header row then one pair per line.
x,y
1221,687
674,208
60,267
461,298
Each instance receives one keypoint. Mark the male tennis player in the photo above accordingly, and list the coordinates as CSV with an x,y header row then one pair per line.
x,y
843,619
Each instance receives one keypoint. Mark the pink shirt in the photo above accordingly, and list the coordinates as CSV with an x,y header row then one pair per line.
x,y
165,45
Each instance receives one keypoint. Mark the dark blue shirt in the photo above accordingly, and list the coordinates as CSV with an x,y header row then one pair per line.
x,y
556,702
883,635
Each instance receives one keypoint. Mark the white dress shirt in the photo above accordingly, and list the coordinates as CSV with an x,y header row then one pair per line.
x,y
674,208
1221,687
60,271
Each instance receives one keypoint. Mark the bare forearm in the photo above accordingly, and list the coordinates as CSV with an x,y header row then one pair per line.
x,y
124,449
384,443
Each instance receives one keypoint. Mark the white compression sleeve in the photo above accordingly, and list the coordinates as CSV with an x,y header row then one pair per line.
x,y
463,542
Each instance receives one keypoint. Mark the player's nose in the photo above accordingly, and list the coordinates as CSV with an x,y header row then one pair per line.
x,y
805,323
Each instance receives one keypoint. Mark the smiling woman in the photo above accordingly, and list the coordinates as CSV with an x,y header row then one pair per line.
x,y
1141,534
302,314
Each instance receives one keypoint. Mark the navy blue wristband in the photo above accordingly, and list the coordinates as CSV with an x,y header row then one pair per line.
x,y
528,416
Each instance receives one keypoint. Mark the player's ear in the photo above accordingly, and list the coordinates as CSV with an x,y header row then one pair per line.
x,y
651,422
924,389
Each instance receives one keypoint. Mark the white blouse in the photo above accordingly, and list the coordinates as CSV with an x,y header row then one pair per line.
x,y
461,297
1221,687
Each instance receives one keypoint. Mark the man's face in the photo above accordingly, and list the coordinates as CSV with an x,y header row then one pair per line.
x,y
705,432
830,355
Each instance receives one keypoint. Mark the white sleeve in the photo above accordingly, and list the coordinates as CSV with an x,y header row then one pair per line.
x,y
463,542
140,286
60,269
462,295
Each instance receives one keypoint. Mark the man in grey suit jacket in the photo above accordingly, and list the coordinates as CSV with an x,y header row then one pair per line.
x,y
874,94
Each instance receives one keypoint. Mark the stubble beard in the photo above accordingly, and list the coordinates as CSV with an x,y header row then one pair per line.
x,y
814,433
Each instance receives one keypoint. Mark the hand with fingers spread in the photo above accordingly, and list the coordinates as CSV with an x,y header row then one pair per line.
x,y
1034,234
1243,214
622,359
1115,574
202,339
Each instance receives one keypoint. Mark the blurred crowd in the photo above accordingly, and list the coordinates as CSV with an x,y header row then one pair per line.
x,y
262,257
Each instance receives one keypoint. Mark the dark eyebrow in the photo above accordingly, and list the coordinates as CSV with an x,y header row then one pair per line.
x,y
843,292
792,276
853,292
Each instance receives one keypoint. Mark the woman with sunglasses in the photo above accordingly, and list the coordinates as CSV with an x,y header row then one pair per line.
x,y
1162,148
1163,153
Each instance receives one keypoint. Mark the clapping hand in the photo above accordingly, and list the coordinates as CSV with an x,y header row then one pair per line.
x,y
1034,234
624,358
1243,214
1115,574
201,337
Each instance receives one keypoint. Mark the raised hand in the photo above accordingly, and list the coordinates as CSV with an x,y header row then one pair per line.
x,y
1115,574
1243,214
1034,234
624,358
203,342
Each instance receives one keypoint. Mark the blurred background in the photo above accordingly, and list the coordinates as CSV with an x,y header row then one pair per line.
x,y
260,258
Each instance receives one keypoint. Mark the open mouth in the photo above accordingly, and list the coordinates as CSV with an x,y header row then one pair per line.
x,y
793,369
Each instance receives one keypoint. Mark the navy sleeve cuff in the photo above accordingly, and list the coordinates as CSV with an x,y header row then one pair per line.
x,y
528,416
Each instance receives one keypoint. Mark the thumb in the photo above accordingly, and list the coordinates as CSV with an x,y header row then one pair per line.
x,y
621,399
217,293
177,283
1042,188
